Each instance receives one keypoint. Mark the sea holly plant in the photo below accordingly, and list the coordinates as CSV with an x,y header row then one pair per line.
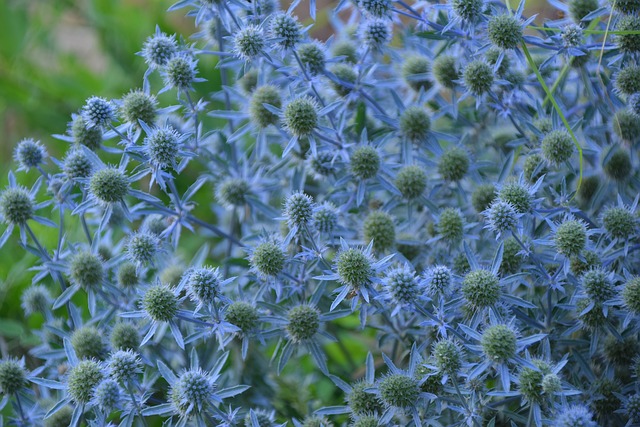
x,y
428,218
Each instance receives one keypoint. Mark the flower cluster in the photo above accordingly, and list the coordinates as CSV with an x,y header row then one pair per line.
x,y
446,192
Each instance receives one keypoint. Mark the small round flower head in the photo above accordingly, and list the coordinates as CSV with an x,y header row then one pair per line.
x,y
154,224
632,407
557,147
598,286
88,344
448,356
36,299
438,280
399,391
286,29
481,288
483,196
107,395
300,116
204,284
518,195
376,8
628,43
607,390
61,418
85,269
325,217
312,57
619,222
578,9
531,380
298,209
268,258
445,71
249,42
376,33
233,192
411,181
628,7
76,164
249,81
243,315
345,73
501,216
571,35
193,391
98,112
451,225
260,116
137,107
162,146
534,167
594,318
142,248
571,237
89,136
575,416
160,303
354,267
125,336
29,153
365,162
504,31
83,380
366,421
621,352
105,252
402,285
360,402
590,185
379,227
127,275
414,70
415,123
16,205
631,295
124,365
511,257
469,10
159,49
180,72
478,77
304,322
499,343
627,81
347,49
109,185
619,166
13,376
453,164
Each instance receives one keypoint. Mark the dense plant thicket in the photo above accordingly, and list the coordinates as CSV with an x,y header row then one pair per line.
x,y
444,185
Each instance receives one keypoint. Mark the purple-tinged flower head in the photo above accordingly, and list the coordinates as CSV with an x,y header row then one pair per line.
x,y
159,49
249,42
376,8
29,153
501,217
286,30
571,35
634,104
575,416
162,146
376,33
124,366
98,112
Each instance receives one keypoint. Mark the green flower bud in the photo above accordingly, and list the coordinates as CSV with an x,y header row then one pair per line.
x,y
346,74
578,9
13,377
445,70
451,225
301,116
482,196
365,162
453,164
260,116
125,336
626,125
62,418
619,166
160,303
504,31
481,288
478,77
588,188
304,322
354,268
628,43
448,356
91,137
619,222
138,106
268,259
534,168
579,267
36,299
413,71
16,205
312,57
411,181
83,379
379,227
286,28
517,195
109,185
124,365
360,402
85,269
415,123
499,343
557,147
571,237
243,315
88,344
399,390
469,10
531,381
347,49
